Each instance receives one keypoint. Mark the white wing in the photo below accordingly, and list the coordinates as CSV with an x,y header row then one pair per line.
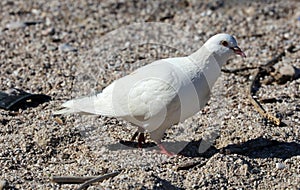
x,y
143,93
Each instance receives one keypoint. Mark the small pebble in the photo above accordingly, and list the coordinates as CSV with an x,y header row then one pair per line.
x,y
16,25
286,35
66,48
48,31
287,70
36,11
284,73
58,120
280,165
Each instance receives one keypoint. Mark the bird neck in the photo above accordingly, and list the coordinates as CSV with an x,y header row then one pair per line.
x,y
209,64
203,54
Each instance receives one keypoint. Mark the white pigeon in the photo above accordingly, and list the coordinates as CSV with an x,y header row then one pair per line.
x,y
163,93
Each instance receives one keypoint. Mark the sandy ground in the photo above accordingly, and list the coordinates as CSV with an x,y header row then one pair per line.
x,y
73,48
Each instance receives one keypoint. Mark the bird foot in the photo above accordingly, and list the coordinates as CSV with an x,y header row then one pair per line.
x,y
163,150
141,138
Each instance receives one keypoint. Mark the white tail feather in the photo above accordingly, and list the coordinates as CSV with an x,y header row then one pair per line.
x,y
87,105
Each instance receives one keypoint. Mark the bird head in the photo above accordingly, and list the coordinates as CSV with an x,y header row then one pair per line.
x,y
224,45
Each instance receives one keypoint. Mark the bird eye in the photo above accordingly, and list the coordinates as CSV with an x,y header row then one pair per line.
x,y
224,43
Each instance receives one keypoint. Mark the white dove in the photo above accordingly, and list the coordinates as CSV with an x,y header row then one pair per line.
x,y
163,93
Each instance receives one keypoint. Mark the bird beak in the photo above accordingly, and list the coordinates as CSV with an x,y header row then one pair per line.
x,y
238,51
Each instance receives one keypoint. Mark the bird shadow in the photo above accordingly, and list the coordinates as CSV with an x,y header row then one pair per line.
x,y
184,148
254,148
264,148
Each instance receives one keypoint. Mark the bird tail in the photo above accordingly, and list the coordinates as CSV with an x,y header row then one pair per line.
x,y
64,111
86,106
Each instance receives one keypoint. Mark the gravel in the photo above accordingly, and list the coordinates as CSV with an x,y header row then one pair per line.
x,y
69,49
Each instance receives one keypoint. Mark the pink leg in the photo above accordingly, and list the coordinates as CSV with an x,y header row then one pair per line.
x,y
163,150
